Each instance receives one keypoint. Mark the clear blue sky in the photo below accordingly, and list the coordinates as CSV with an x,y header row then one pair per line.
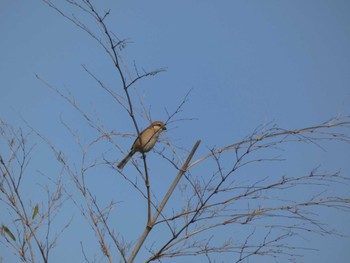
x,y
247,63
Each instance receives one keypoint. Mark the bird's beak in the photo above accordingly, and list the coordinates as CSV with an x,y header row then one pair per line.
x,y
164,128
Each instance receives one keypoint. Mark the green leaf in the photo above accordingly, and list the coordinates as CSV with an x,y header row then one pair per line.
x,y
8,232
35,212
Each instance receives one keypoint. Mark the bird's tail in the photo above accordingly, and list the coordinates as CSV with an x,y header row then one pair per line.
x,y
125,160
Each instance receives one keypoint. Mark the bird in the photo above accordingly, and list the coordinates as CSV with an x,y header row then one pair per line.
x,y
145,141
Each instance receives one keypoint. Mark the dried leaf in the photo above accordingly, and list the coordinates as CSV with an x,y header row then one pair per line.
x,y
35,212
8,232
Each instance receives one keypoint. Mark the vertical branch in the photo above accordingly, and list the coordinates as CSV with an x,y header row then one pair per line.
x,y
148,187
126,86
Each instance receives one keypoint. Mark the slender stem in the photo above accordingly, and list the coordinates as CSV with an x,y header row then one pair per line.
x,y
148,187
150,224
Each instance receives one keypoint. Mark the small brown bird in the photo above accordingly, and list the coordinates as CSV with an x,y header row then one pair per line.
x,y
145,142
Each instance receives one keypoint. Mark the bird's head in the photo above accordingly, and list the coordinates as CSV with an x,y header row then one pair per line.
x,y
158,125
